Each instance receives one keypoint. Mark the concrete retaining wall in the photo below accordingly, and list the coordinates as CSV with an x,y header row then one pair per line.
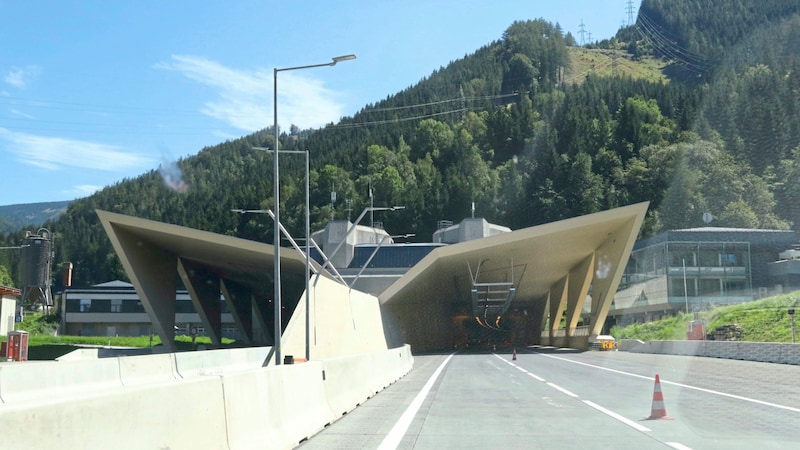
x,y
576,342
747,351
181,401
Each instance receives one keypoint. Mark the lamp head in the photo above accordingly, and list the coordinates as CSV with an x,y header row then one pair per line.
x,y
337,59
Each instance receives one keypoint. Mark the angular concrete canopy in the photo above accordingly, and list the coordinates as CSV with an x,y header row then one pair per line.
x,y
152,252
551,268
590,250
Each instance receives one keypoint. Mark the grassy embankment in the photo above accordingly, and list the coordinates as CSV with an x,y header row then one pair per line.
x,y
610,62
764,320
44,344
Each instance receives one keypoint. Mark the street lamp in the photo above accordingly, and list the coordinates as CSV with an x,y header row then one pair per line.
x,y
276,188
308,226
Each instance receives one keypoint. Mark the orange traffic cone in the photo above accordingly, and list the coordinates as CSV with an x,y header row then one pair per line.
x,y
514,355
658,410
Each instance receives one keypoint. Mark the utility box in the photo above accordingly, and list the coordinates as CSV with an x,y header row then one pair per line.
x,y
697,331
17,346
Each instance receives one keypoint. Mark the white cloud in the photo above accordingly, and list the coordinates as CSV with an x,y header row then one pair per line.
x,y
83,190
17,112
54,153
19,77
245,97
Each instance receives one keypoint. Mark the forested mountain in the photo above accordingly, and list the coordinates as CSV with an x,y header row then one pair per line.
x,y
14,217
527,134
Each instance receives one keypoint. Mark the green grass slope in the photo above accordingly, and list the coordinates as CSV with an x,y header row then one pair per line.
x,y
764,320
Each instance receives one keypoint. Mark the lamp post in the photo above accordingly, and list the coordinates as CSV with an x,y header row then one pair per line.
x,y
308,240
276,188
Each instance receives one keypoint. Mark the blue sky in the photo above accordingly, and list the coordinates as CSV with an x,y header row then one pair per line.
x,y
96,91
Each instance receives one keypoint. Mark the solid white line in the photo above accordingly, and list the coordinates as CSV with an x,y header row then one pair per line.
x,y
708,391
537,378
678,446
392,440
557,387
624,420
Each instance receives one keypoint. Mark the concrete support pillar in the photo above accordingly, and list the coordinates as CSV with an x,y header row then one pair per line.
x,y
580,278
545,315
262,312
204,290
558,301
239,300
153,272
609,270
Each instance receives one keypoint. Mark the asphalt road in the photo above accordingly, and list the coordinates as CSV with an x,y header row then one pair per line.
x,y
563,399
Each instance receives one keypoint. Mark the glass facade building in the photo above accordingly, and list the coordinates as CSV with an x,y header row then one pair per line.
x,y
694,269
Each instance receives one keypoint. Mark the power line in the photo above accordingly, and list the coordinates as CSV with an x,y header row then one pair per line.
x,y
653,34
440,102
460,110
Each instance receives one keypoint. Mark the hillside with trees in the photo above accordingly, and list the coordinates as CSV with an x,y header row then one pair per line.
x,y
530,128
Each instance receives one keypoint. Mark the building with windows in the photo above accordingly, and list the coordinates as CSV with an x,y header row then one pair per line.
x,y
693,269
115,309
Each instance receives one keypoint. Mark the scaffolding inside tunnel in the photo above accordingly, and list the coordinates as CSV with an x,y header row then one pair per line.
x,y
490,300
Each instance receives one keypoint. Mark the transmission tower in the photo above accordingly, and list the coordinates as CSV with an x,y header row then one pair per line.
x,y
629,9
582,32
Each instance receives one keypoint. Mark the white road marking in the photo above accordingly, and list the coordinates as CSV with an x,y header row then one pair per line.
x,y
708,391
537,378
678,446
534,376
392,440
559,388
608,412
622,419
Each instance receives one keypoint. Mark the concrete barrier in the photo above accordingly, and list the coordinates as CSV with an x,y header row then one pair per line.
x,y
81,353
351,380
254,420
33,381
143,402
187,415
397,362
305,407
217,362
348,382
147,369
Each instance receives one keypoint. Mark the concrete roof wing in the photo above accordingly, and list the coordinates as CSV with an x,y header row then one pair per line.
x,y
535,257
239,259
